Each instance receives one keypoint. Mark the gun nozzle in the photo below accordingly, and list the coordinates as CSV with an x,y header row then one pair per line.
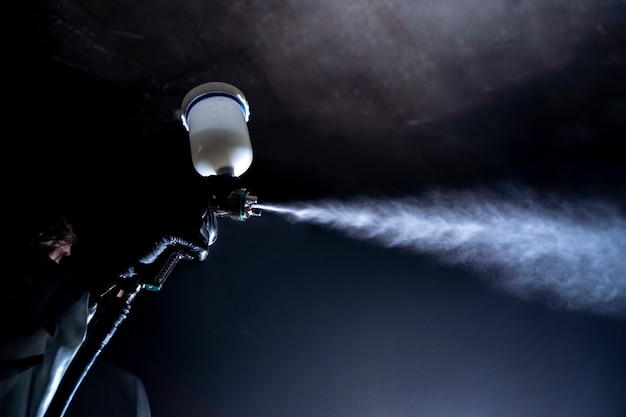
x,y
255,211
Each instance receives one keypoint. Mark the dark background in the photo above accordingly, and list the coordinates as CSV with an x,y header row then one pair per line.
x,y
383,99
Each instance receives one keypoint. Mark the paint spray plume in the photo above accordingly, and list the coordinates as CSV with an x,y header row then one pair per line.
x,y
570,255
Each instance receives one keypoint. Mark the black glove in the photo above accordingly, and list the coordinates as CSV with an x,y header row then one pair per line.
x,y
191,238
194,245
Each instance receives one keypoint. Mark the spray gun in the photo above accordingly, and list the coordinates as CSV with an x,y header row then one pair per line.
x,y
216,114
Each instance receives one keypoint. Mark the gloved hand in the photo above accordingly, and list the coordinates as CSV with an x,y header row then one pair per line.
x,y
195,245
192,237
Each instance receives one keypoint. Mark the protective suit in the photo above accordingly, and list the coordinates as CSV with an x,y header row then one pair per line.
x,y
46,310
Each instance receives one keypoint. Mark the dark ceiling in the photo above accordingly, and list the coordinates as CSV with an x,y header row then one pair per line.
x,y
348,98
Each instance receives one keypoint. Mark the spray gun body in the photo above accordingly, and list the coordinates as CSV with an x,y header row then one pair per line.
x,y
238,205
228,197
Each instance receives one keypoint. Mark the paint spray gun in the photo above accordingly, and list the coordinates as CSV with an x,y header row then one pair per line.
x,y
215,114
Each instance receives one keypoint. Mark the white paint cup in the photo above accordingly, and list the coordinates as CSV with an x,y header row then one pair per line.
x,y
216,114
